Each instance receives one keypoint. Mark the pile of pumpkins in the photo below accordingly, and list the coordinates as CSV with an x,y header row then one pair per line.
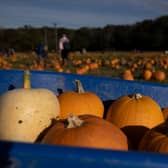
x,y
78,118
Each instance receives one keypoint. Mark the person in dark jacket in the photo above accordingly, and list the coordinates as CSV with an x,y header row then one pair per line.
x,y
40,50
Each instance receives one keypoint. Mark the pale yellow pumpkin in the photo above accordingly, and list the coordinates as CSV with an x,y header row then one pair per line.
x,y
26,112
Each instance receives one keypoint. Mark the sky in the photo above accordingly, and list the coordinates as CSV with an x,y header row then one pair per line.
x,y
78,13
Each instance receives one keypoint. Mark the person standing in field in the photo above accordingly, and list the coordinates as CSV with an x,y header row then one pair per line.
x,y
64,47
39,51
45,54
42,52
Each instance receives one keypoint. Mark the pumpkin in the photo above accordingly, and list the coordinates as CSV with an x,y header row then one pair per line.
x,y
135,109
155,139
148,65
80,102
135,114
160,75
86,131
165,113
26,112
127,75
147,74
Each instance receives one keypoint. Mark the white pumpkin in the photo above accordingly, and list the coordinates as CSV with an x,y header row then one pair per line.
x,y
25,113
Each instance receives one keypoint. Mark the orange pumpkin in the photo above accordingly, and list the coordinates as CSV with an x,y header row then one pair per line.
x,y
80,102
148,65
156,139
135,110
86,131
147,74
160,75
135,114
127,75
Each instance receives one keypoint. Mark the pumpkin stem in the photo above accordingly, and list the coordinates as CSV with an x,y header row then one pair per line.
x,y
26,83
74,121
79,86
137,96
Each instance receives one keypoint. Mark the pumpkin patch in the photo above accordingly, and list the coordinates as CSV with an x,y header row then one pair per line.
x,y
110,64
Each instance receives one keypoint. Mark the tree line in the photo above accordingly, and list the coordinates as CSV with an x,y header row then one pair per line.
x,y
145,35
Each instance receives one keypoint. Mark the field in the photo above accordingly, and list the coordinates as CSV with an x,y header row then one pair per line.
x,y
140,66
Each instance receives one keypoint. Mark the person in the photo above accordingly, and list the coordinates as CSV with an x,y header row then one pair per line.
x,y
42,52
39,51
45,54
64,47
11,51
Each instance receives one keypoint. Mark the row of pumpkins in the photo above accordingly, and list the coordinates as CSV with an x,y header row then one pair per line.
x,y
78,118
